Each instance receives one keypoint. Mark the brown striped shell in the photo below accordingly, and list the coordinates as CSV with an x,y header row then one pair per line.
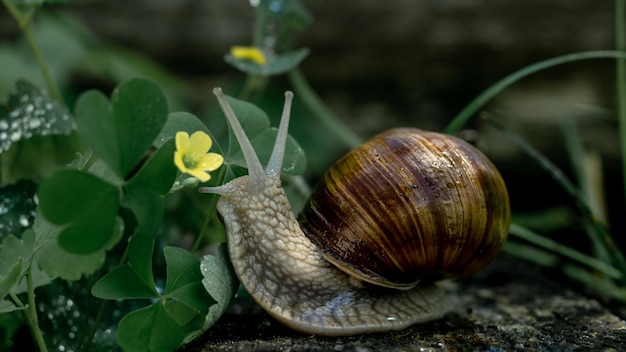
x,y
409,205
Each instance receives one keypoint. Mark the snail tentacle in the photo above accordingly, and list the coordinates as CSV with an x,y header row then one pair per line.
x,y
256,173
275,163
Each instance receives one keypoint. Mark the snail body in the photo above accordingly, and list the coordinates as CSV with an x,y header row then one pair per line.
x,y
312,289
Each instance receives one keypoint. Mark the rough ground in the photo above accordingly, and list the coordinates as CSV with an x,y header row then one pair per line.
x,y
511,306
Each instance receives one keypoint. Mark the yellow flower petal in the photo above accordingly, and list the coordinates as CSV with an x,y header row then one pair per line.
x,y
182,142
178,161
192,157
200,175
200,142
210,162
248,53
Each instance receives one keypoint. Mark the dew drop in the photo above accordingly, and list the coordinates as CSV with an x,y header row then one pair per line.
x,y
24,221
15,136
4,125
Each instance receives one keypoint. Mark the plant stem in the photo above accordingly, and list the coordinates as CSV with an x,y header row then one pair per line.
x,y
219,179
87,344
620,45
254,84
32,311
308,96
472,108
607,250
52,87
565,251
23,21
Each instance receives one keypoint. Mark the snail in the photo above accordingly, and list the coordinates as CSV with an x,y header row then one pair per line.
x,y
398,213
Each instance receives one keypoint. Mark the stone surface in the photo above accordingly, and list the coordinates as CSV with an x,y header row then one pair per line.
x,y
511,306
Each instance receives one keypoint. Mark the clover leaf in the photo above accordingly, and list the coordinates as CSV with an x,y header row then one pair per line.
x,y
84,205
120,130
14,250
57,261
175,315
220,282
30,112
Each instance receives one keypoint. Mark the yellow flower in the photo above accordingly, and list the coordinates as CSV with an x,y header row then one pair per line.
x,y
192,157
248,53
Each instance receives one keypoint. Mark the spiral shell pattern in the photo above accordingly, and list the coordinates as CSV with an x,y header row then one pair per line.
x,y
408,206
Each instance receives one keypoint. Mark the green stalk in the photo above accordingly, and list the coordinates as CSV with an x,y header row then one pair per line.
x,y
52,87
620,45
565,251
607,249
23,21
86,345
32,312
211,209
473,107
314,103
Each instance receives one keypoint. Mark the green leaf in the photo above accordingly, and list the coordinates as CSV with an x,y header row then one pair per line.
x,y
123,282
10,278
182,313
140,259
84,205
122,130
15,250
294,162
57,261
148,208
32,112
159,172
101,170
280,64
179,121
220,282
256,124
132,280
149,329
184,279
8,307
253,120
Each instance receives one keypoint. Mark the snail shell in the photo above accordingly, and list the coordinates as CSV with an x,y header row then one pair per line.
x,y
289,275
409,205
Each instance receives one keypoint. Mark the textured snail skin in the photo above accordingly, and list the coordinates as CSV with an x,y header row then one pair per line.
x,y
287,275
409,205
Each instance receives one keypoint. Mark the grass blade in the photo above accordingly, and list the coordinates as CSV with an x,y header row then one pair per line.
x,y
475,105
610,252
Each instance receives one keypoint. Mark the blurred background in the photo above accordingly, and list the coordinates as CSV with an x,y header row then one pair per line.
x,y
376,65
